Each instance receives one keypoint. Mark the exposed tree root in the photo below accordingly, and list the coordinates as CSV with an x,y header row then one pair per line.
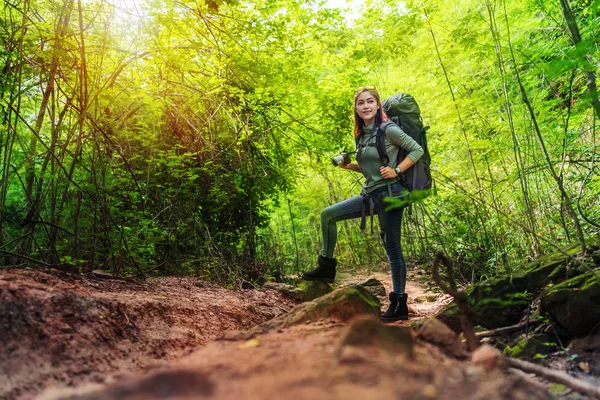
x,y
460,297
578,385
507,329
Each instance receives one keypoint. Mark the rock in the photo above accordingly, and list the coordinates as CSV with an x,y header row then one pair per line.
x,y
275,285
353,355
450,316
488,358
500,302
174,383
588,343
374,286
438,333
428,298
235,335
369,331
316,289
575,303
98,273
494,303
343,304
310,292
292,291
529,347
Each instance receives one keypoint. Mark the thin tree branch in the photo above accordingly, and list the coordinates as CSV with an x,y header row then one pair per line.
x,y
507,329
33,260
567,199
579,385
460,298
576,36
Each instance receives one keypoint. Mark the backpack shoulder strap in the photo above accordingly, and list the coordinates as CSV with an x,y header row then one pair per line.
x,y
380,140
384,125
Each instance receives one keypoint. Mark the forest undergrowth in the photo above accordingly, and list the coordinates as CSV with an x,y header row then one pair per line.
x,y
195,138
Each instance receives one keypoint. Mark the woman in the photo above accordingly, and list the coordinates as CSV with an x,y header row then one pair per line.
x,y
379,181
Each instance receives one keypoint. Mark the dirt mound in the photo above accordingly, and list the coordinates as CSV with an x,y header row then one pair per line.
x,y
62,329
112,340
326,359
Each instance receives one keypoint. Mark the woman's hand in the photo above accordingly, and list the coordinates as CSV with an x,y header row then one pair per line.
x,y
388,173
352,167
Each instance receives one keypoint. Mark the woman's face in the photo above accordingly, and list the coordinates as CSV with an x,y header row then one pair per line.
x,y
366,107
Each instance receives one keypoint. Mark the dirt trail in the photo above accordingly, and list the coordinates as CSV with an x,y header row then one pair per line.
x,y
118,340
58,329
423,302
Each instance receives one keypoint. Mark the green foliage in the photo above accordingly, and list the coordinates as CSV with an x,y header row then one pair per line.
x,y
195,137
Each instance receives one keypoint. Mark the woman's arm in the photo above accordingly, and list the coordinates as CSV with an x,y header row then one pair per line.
x,y
352,167
398,137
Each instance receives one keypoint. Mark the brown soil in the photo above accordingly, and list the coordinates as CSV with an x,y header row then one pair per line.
x,y
61,329
123,340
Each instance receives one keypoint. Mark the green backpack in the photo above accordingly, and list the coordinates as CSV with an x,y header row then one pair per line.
x,y
403,110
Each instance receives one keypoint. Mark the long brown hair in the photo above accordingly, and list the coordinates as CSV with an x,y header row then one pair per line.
x,y
379,116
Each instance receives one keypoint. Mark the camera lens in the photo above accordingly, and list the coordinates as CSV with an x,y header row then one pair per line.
x,y
337,160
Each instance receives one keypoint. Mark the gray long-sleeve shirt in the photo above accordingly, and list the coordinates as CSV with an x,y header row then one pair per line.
x,y
368,157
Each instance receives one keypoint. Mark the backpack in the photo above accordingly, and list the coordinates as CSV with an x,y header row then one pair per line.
x,y
403,110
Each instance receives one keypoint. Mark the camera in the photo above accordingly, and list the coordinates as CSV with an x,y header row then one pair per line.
x,y
341,159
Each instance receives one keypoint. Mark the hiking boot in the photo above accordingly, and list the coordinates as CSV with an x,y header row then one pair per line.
x,y
398,310
324,272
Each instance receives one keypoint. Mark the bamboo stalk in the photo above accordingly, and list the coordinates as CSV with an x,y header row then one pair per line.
x,y
567,199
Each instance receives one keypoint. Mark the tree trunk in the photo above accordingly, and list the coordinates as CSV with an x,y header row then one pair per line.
x,y
29,165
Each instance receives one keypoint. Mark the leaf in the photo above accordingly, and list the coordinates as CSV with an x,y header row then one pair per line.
x,y
250,343
585,367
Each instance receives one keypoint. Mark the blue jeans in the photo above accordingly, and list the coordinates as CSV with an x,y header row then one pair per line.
x,y
389,221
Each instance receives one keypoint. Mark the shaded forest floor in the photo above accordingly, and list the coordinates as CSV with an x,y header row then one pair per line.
x,y
158,339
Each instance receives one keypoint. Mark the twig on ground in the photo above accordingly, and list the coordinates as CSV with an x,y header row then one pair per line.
x,y
128,321
505,330
578,385
527,378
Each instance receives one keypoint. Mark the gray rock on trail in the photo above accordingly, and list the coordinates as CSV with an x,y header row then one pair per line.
x,y
436,332
292,291
175,383
315,289
368,332
312,290
489,358
342,304
374,286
